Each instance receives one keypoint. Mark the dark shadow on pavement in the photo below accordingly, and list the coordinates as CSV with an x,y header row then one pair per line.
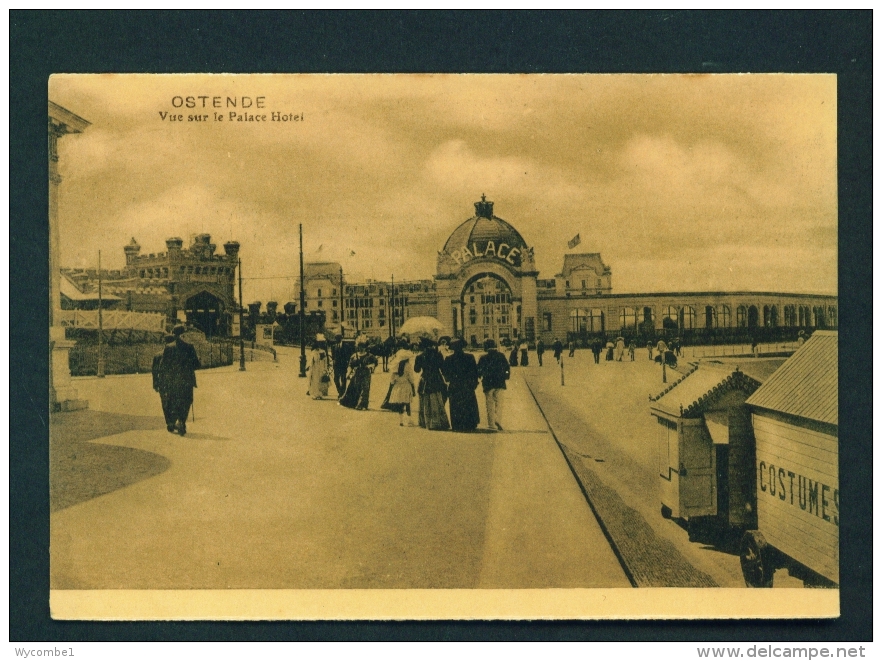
x,y
204,437
80,470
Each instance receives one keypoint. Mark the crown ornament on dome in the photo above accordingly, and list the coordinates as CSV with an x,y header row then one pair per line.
x,y
484,208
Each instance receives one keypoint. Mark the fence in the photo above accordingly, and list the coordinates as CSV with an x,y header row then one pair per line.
x,y
722,350
696,336
113,319
137,357
254,351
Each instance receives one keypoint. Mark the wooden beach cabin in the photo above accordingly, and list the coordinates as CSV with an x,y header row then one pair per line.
x,y
705,448
795,416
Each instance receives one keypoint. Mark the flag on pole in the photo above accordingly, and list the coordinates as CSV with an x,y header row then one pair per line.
x,y
572,243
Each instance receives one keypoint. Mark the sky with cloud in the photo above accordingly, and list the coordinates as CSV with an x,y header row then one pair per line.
x,y
682,183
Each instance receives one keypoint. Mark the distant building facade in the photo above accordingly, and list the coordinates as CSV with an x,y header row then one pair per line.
x,y
486,286
194,284
374,308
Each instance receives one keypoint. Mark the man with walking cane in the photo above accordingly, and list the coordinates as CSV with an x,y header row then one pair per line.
x,y
159,385
177,375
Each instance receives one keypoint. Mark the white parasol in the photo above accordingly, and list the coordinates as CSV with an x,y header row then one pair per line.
x,y
422,327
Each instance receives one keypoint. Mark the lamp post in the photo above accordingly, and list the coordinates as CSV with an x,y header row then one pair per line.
x,y
100,368
357,290
663,350
241,323
392,308
342,330
302,313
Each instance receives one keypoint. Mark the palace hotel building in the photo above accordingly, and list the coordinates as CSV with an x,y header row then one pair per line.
x,y
486,286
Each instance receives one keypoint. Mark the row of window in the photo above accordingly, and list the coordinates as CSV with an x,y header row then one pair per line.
x,y
369,302
366,323
367,313
363,303
491,298
493,314
687,318
381,291
586,285
348,292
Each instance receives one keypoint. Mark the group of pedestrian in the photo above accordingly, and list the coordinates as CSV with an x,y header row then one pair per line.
x,y
443,380
418,371
665,354
453,380
520,349
613,351
357,380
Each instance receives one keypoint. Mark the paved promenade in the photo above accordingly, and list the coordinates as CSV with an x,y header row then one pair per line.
x,y
271,489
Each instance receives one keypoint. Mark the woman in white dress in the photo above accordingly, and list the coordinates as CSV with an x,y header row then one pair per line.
x,y
402,383
319,371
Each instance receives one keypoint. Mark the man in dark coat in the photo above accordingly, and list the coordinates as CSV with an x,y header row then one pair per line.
x,y
388,350
558,349
596,346
494,372
540,349
342,352
159,385
178,377
461,372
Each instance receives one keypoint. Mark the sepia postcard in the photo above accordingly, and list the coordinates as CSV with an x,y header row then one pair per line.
x,y
403,347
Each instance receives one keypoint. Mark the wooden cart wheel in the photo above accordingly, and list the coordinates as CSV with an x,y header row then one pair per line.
x,y
756,560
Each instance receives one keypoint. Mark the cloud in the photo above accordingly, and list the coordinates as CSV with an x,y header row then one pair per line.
x,y
458,169
672,178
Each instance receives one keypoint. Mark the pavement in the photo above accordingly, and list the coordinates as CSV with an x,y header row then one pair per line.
x,y
271,489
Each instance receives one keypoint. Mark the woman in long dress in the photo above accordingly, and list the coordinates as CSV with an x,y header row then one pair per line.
x,y
461,372
525,356
401,352
620,348
319,371
358,390
432,389
402,385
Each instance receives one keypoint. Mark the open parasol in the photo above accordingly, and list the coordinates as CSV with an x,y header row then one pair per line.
x,y
422,327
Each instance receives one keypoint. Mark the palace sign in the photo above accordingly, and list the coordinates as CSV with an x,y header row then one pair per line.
x,y
504,252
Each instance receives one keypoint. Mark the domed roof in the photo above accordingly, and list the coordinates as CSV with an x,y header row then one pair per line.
x,y
484,227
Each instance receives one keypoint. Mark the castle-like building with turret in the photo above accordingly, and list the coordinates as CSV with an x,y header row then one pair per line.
x,y
193,284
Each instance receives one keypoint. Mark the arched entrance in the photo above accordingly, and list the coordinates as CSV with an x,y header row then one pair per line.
x,y
752,317
487,310
205,312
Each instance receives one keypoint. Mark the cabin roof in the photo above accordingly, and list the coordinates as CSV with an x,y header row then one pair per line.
x,y
698,390
807,384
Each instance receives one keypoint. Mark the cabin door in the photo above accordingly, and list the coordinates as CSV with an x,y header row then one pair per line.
x,y
698,467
